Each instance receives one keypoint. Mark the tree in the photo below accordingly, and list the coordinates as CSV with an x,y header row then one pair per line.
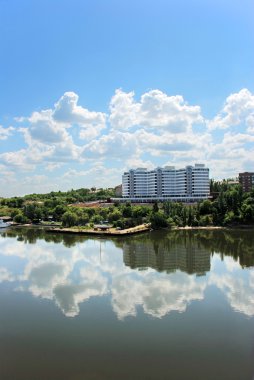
x,y
155,207
158,220
20,218
127,211
69,219
33,211
248,213
115,215
205,220
205,207
58,212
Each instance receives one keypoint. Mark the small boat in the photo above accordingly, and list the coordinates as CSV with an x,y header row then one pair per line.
x,y
4,224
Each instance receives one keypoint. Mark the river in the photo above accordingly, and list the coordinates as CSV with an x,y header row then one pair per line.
x,y
161,305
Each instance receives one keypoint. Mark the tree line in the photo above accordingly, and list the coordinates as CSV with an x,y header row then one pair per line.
x,y
230,207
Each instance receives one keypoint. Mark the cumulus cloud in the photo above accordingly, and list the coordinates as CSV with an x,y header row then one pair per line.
x,y
5,132
48,137
115,145
18,160
231,155
67,111
156,129
44,129
250,123
155,110
238,108
123,110
96,172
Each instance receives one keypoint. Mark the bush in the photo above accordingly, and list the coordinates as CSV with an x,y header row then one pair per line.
x,y
20,218
158,220
69,219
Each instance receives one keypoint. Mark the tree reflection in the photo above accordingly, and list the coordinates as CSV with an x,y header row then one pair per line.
x,y
188,250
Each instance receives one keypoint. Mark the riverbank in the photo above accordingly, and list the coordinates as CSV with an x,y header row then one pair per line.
x,y
109,232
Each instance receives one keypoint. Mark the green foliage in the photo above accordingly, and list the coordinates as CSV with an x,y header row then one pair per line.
x,y
205,207
33,211
158,220
155,207
206,220
58,212
114,216
15,202
127,210
231,207
20,218
69,219
72,196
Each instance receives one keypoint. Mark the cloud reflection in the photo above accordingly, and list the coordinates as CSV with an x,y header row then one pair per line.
x,y
159,277
157,295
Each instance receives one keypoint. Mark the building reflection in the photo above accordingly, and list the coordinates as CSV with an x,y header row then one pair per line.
x,y
167,256
187,250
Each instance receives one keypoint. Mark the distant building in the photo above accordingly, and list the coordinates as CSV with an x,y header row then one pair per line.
x,y
246,179
233,182
118,190
189,184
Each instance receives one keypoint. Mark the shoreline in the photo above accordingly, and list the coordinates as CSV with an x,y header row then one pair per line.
x,y
111,232
130,231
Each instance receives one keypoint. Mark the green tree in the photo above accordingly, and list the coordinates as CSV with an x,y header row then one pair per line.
x,y
158,220
69,219
155,207
20,218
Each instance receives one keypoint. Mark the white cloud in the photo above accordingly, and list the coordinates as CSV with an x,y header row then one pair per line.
x,y
48,135
68,112
157,129
44,129
231,155
238,108
115,145
155,110
95,176
18,159
5,132
250,123
123,110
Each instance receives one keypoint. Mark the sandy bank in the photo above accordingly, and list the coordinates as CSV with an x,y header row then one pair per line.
x,y
109,232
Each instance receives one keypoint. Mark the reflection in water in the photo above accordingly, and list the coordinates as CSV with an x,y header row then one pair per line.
x,y
191,293
162,272
167,255
236,243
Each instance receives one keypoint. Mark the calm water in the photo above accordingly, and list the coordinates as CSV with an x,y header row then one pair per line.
x,y
177,305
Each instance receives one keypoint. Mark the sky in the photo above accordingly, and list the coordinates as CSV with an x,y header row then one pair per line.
x,y
91,88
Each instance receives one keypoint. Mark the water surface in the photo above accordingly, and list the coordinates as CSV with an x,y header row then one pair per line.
x,y
176,305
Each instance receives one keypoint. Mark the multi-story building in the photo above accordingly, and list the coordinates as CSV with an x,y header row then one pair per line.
x,y
189,184
246,179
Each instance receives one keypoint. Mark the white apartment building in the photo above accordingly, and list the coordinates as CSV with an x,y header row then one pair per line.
x,y
189,184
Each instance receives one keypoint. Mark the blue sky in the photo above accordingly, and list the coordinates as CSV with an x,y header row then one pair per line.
x,y
91,88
